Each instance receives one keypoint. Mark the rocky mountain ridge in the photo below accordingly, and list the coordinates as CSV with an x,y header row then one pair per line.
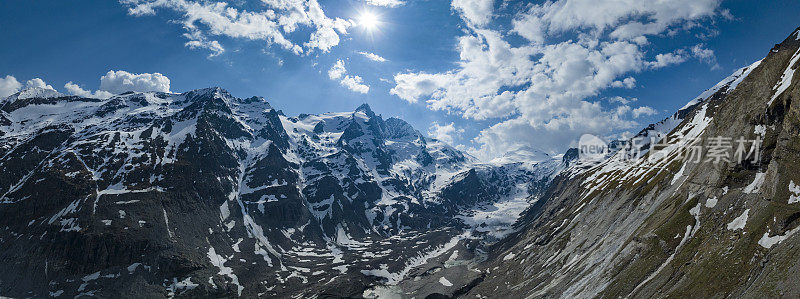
x,y
162,194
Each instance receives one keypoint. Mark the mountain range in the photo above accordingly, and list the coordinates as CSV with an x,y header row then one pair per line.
x,y
202,194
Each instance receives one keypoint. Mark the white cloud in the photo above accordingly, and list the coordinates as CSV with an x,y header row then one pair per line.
x,y
8,86
621,100
354,83
667,59
121,81
278,20
629,19
530,27
75,89
702,53
644,110
373,56
412,86
445,133
628,83
387,3
699,51
337,70
199,41
538,93
324,39
37,83
705,55
476,12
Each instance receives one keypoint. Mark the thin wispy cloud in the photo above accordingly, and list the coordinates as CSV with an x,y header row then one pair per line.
x,y
373,56
386,3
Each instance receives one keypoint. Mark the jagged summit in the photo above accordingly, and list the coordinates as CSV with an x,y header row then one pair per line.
x,y
212,92
397,129
366,109
152,179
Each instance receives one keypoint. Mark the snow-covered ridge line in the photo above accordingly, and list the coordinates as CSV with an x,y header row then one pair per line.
x,y
356,148
729,83
617,161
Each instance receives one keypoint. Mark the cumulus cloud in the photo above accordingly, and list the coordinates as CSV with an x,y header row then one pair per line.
x,y
75,89
37,83
8,86
273,23
373,56
625,19
446,133
121,81
354,83
476,12
386,3
339,72
539,92
412,86
628,83
666,59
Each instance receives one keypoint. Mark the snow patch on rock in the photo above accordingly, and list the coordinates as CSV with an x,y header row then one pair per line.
x,y
445,282
739,222
755,186
767,242
786,78
711,202
794,197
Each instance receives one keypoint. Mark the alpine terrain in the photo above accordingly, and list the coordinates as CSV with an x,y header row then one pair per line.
x,y
202,194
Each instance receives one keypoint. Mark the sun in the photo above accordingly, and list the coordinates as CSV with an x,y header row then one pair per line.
x,y
369,20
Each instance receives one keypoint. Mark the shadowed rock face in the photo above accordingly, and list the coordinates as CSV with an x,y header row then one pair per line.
x,y
668,227
205,194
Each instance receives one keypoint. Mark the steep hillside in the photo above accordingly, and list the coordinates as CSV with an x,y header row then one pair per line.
x,y
665,224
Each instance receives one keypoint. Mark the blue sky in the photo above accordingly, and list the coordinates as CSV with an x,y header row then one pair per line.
x,y
485,75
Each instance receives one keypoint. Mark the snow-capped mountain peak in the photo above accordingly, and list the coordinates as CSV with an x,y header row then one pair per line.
x,y
526,154
33,92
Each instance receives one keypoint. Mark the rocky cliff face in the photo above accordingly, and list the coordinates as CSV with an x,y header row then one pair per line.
x,y
668,226
205,194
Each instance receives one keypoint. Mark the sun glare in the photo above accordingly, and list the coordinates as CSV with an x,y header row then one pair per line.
x,y
368,20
